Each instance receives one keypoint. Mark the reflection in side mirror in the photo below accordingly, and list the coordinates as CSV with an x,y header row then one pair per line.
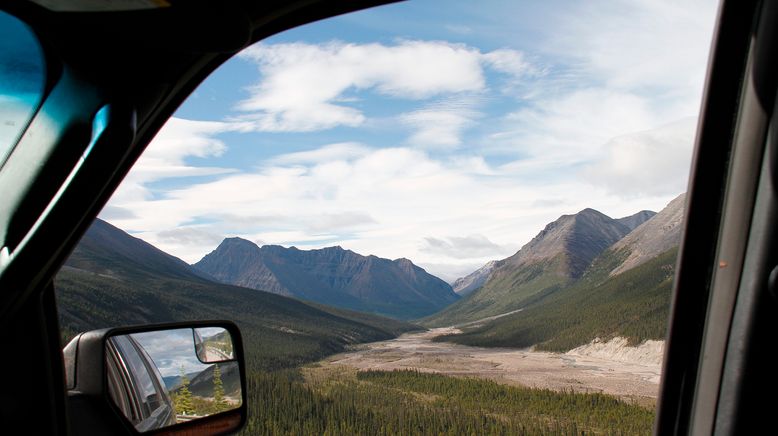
x,y
213,344
165,377
152,377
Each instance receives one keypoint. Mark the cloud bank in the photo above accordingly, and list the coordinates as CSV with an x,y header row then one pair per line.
x,y
447,153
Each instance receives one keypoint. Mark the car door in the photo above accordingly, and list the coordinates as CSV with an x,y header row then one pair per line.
x,y
717,369
141,385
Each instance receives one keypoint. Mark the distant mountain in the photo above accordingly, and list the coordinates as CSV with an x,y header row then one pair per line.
x,y
557,256
633,221
202,383
577,238
173,382
109,251
112,279
652,238
634,305
466,285
625,291
332,276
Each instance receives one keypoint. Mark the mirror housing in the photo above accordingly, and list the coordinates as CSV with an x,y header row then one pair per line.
x,y
91,356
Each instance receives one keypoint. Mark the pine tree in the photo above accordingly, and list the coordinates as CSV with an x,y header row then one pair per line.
x,y
218,390
183,400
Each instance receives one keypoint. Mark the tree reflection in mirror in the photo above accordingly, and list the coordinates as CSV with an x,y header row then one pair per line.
x,y
161,378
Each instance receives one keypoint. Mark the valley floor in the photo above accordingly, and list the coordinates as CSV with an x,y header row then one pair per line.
x,y
591,368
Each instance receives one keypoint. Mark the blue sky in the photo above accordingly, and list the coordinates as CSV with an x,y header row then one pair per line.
x,y
448,132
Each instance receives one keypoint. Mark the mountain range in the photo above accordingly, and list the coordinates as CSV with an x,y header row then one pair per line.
x,y
553,259
332,276
113,279
584,276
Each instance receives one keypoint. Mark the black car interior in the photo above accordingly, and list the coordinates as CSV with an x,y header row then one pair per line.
x,y
135,67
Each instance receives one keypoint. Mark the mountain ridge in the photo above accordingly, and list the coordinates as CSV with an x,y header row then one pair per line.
x,y
655,236
635,220
624,292
330,275
113,279
558,255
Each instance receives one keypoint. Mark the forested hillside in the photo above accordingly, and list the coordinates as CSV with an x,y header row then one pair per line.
x,y
634,304
414,403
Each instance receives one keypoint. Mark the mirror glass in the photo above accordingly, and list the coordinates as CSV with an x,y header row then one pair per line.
x,y
158,378
213,344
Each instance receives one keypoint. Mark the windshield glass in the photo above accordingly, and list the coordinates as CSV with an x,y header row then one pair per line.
x,y
426,218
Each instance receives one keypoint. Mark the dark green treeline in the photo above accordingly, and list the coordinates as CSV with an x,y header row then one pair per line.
x,y
415,403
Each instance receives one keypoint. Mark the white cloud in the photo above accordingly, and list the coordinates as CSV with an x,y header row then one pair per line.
x,y
340,221
331,152
619,68
303,87
654,162
190,235
553,137
165,157
438,128
181,137
577,123
449,272
657,47
301,83
440,125
472,165
508,61
393,203
465,247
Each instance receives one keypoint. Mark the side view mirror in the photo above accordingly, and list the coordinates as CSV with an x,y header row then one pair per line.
x,y
184,378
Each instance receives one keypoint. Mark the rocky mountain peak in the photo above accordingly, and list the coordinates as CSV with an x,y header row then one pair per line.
x,y
472,282
589,212
333,276
655,236
236,240
633,221
579,238
406,263
237,248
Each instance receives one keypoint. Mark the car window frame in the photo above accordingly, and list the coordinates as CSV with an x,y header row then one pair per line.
x,y
683,351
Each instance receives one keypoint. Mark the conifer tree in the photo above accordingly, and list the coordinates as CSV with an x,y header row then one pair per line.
x,y
183,401
218,390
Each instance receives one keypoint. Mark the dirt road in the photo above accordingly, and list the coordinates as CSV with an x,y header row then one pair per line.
x,y
639,381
